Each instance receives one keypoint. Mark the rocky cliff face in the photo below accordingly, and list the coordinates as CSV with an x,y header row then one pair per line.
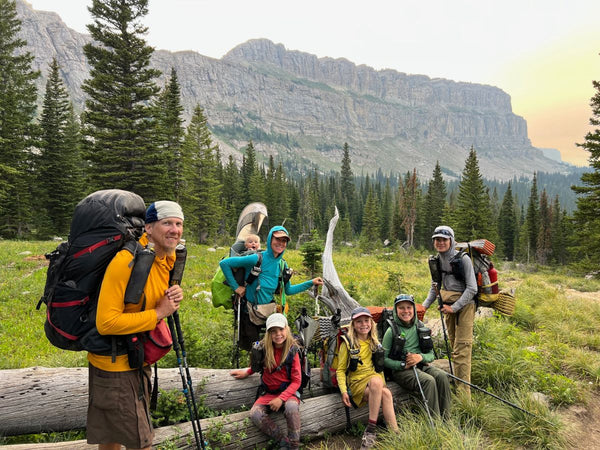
x,y
297,106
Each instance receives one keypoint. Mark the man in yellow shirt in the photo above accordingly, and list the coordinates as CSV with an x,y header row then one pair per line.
x,y
118,408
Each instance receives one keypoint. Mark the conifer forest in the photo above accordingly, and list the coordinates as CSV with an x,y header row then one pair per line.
x,y
131,135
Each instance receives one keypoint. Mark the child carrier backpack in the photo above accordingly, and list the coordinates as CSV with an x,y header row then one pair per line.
x,y
222,293
103,223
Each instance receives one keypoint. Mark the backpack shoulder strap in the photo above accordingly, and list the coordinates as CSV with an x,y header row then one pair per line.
x,y
394,326
352,351
289,360
255,271
142,261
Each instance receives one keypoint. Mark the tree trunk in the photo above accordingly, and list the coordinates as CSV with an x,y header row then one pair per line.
x,y
40,399
319,416
334,296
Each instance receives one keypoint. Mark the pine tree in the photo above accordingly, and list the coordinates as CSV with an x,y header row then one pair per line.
x,y
386,212
17,108
473,204
120,120
507,224
587,215
532,219
59,164
369,238
201,194
170,131
311,252
407,205
231,196
310,211
294,202
280,198
559,233
249,167
347,187
422,237
435,201
544,242
256,187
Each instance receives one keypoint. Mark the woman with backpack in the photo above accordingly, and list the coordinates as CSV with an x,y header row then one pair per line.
x,y
457,293
259,291
359,381
279,381
408,352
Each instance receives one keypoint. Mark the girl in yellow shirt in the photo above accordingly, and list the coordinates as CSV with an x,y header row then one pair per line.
x,y
362,385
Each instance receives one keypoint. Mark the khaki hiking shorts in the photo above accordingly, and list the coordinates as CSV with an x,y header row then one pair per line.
x,y
115,413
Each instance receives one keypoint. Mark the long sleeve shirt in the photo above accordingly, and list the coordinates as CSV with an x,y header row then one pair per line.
x,y
262,289
115,317
411,345
468,287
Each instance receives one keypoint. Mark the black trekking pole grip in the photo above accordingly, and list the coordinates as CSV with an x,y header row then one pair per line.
x,y
178,267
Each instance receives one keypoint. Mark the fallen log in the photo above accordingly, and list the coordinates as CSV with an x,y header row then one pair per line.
x,y
27,395
319,415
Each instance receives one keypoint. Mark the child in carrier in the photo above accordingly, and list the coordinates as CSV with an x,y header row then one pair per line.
x,y
358,380
278,383
251,244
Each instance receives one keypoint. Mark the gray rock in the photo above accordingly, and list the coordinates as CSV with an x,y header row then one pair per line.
x,y
309,106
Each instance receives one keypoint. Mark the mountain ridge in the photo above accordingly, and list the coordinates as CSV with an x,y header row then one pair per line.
x,y
296,106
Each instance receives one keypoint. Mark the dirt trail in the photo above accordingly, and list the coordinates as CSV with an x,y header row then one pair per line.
x,y
583,421
575,294
583,424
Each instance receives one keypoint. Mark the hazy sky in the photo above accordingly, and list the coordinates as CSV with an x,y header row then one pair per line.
x,y
544,53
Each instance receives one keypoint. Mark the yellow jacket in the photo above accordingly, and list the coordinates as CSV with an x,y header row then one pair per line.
x,y
114,317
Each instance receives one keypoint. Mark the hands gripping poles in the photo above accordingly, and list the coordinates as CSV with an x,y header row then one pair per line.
x,y
179,347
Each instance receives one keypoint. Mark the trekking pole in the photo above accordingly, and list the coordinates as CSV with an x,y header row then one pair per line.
x,y
423,396
234,340
179,348
440,305
236,331
494,395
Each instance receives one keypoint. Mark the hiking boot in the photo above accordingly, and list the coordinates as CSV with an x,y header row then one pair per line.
x,y
368,440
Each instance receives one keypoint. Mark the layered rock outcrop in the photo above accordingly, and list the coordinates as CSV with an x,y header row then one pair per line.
x,y
297,106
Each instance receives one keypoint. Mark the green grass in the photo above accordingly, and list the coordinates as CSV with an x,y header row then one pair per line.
x,y
550,345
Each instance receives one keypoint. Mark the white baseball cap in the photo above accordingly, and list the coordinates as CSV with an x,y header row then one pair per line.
x,y
276,320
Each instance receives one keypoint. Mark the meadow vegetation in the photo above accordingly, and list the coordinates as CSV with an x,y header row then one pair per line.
x,y
550,345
